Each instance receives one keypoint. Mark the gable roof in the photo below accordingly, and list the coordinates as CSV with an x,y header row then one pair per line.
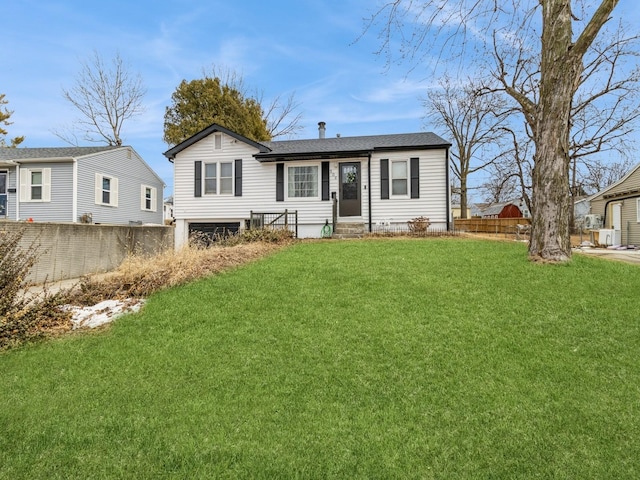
x,y
173,151
338,147
614,185
20,153
12,156
341,147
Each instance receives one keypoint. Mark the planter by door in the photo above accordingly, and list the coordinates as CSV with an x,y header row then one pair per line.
x,y
350,204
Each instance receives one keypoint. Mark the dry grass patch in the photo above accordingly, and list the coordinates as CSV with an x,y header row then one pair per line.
x,y
138,277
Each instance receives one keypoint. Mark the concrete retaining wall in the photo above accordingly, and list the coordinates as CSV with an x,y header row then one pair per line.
x,y
71,250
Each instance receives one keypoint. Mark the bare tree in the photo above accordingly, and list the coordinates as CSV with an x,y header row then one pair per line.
x,y
283,119
541,77
600,174
473,119
281,114
106,95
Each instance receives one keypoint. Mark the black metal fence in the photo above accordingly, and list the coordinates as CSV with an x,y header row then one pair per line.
x,y
287,220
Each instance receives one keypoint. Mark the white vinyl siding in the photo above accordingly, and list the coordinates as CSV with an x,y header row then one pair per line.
x,y
148,198
35,185
398,209
106,190
259,189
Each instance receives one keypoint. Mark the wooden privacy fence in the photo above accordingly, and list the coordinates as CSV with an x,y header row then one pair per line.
x,y
490,225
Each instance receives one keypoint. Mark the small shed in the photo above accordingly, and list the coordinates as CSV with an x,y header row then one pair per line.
x,y
502,210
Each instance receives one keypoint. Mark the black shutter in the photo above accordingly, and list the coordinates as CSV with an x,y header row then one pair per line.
x,y
238,177
280,182
415,178
197,179
384,179
325,180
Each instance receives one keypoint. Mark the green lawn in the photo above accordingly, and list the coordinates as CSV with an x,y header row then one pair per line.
x,y
428,358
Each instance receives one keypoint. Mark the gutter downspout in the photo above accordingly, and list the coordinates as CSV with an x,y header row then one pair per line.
x,y
448,190
369,190
17,191
74,195
606,207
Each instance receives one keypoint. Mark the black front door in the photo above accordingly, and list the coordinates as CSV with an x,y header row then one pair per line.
x,y
3,194
349,202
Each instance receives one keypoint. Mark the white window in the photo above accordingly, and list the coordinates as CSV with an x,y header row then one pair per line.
x,y
148,198
106,190
399,178
35,185
217,141
218,178
302,182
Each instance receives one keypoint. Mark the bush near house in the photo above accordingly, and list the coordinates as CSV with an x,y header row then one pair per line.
x,y
21,319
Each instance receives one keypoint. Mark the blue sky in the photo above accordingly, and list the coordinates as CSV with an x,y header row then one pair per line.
x,y
306,47
281,46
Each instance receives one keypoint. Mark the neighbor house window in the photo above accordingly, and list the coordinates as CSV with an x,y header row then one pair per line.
x,y
218,178
638,210
149,198
399,177
35,185
106,190
217,141
302,182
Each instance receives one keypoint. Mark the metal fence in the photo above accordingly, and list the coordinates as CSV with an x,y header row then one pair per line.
x,y
287,220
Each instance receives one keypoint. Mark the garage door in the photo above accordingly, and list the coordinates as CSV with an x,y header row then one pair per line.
x,y
208,233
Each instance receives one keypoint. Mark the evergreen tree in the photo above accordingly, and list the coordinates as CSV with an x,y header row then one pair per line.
x,y
202,102
4,121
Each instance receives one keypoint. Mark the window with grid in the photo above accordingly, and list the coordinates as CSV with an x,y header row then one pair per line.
x,y
218,178
302,182
399,178
36,185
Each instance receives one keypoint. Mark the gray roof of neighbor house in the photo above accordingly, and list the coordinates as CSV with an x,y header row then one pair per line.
x,y
20,153
338,147
350,146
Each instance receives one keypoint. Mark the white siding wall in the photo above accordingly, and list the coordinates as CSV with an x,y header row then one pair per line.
x,y
433,190
259,190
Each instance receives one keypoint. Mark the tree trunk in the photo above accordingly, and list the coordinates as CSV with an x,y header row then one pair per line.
x,y
463,196
550,240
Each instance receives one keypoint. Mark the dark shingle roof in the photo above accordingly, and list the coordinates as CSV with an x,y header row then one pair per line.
x,y
338,147
54,152
349,146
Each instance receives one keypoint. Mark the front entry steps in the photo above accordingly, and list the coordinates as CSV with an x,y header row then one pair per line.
x,y
348,230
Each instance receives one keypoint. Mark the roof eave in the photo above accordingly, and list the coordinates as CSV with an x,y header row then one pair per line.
x,y
281,157
412,147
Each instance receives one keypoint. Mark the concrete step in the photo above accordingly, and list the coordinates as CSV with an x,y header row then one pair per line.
x,y
349,230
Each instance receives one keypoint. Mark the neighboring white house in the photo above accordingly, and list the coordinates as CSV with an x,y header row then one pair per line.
x,y
221,177
79,184
168,210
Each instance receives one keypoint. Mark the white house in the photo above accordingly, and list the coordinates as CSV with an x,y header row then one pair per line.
x,y
221,178
79,184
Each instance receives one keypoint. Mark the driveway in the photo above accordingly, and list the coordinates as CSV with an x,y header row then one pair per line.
x,y
628,256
